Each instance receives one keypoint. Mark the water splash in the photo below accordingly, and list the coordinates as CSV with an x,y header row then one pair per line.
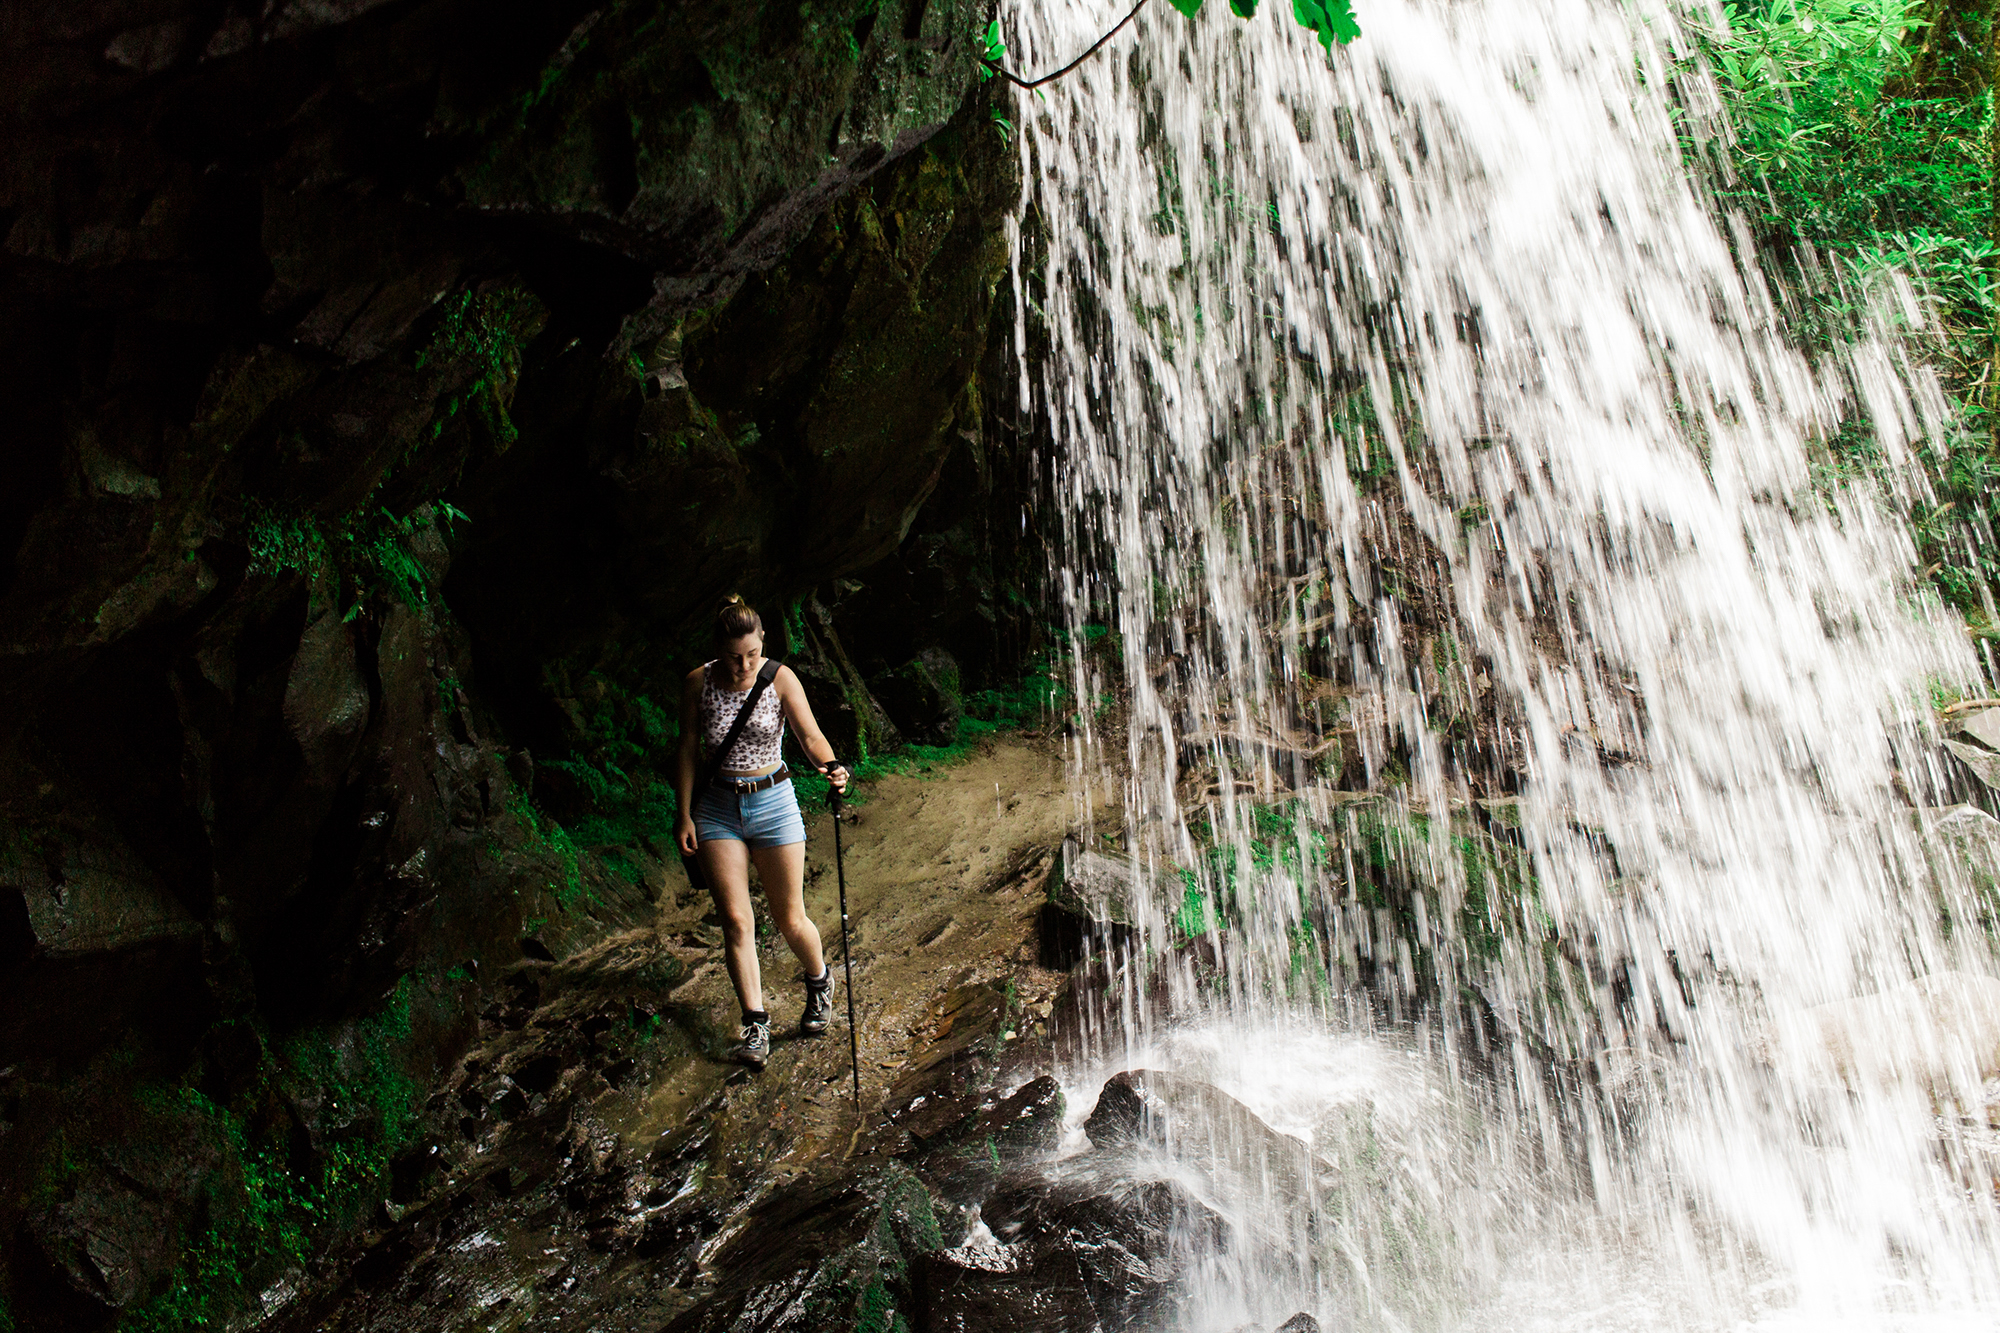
x,y
1481,638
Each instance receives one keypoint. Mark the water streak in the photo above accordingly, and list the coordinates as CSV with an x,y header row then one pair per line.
x,y
1420,430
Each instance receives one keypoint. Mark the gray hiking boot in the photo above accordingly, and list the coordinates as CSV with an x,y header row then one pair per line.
x,y
819,1007
755,1048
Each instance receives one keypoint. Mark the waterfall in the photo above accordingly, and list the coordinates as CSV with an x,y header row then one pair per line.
x,y
1512,740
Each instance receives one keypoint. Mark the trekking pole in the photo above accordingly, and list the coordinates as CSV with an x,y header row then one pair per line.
x,y
834,803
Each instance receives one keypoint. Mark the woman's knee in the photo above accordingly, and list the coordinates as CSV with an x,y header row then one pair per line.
x,y
789,918
738,921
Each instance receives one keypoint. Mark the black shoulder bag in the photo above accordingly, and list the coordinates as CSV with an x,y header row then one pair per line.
x,y
709,771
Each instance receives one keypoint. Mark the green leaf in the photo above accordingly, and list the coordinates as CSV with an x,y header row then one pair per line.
x,y
1330,20
1187,7
1244,9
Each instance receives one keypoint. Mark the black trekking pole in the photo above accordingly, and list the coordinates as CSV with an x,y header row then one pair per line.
x,y
846,952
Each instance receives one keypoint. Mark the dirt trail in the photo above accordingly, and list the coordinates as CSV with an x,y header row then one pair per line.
x,y
594,1155
945,876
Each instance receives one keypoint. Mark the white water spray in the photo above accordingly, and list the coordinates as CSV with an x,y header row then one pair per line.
x,y
1419,429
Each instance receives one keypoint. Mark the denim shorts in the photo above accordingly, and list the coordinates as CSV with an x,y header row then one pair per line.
x,y
768,818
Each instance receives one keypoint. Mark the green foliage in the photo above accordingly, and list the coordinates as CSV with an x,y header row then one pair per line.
x,y
993,50
486,331
275,1211
623,765
371,552
552,840
1329,20
1027,702
1332,21
280,543
1835,147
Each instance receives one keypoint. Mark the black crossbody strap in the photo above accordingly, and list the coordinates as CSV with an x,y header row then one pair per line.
x,y
765,675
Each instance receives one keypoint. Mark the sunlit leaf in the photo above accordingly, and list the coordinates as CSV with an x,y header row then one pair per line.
x,y
1330,20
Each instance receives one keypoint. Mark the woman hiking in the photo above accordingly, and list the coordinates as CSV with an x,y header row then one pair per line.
x,y
748,814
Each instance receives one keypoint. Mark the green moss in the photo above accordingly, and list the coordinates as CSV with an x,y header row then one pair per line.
x,y
267,1213
549,839
487,331
369,551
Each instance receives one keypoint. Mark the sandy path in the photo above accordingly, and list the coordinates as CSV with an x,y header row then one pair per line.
x,y
946,873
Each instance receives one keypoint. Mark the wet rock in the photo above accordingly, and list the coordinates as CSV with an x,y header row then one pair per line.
x,y
1120,1114
1029,1120
923,697
1983,764
1202,1126
817,1257
963,1158
1942,1030
1099,1249
1299,1323
1087,913
118,1227
90,893
1045,1294
1982,726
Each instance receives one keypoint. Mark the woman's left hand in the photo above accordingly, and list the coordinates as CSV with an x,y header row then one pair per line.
x,y
837,775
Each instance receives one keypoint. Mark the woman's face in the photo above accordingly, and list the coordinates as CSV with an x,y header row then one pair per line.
x,y
740,656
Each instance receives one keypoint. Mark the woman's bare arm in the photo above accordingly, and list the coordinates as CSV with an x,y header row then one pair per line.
x,y
799,713
689,761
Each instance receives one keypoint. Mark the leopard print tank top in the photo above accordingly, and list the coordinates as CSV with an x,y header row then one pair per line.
x,y
762,740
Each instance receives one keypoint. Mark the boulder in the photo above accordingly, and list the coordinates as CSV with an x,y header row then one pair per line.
x,y
1080,1249
1089,910
922,697
1982,725
1204,1127
962,1154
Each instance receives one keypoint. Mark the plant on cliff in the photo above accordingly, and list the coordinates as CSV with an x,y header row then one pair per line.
x,y
484,330
267,1206
1863,131
371,553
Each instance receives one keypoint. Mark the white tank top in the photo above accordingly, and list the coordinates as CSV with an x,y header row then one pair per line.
x,y
763,737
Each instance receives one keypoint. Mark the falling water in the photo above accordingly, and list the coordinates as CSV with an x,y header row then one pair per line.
x,y
1434,455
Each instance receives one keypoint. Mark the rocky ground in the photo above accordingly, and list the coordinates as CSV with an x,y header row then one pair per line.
x,y
594,1163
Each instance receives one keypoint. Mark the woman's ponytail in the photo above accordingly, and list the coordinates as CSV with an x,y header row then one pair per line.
x,y
734,618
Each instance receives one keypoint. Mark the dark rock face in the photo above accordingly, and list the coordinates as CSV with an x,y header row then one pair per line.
x,y
1083,1251
382,378
923,696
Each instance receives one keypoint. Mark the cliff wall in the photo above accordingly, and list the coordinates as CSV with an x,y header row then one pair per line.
x,y
391,388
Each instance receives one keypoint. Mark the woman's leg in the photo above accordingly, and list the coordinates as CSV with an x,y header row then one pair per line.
x,y
726,864
782,871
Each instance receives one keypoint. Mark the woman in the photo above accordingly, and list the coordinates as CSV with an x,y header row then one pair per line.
x,y
750,815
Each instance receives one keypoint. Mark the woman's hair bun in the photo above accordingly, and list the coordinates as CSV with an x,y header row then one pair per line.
x,y
734,618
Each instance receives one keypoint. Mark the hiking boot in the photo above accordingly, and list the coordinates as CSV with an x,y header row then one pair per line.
x,y
819,1006
755,1048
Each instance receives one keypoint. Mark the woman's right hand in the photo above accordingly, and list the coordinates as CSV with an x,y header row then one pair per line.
x,y
684,835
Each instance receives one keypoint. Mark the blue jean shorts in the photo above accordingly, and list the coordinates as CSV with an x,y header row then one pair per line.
x,y
768,818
